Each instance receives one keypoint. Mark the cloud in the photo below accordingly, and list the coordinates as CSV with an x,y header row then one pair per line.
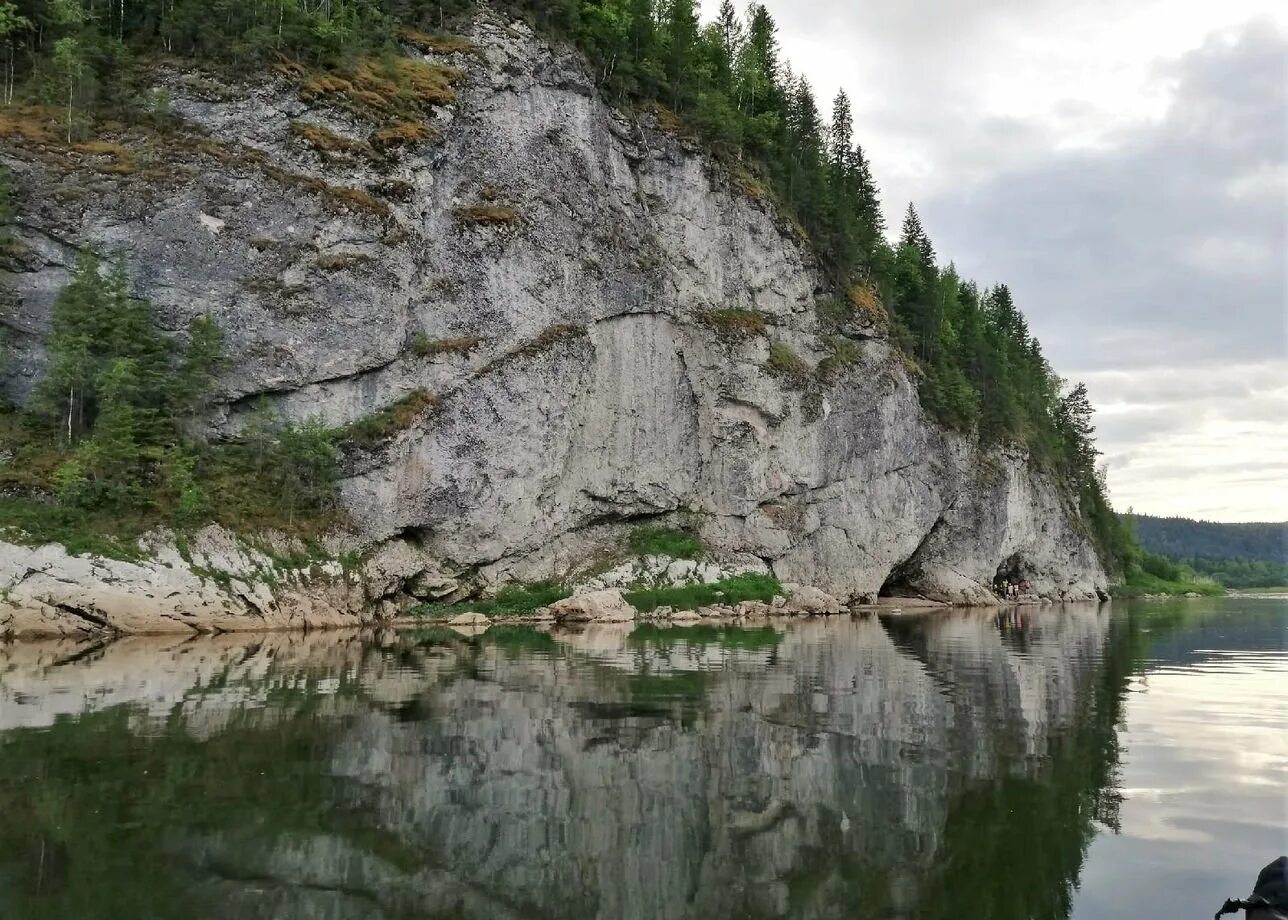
x,y
1197,441
1138,254
1122,166
1155,269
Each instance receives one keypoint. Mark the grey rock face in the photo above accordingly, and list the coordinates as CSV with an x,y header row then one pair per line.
x,y
597,392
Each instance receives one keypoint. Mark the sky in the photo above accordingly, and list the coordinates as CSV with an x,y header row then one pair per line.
x,y
1122,165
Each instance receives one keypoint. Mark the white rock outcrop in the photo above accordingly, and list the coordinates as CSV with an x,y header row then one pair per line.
x,y
607,606
810,601
598,392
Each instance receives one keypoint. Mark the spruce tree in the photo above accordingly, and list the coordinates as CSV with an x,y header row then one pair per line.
x,y
68,391
914,234
841,137
203,361
730,29
868,198
682,39
114,453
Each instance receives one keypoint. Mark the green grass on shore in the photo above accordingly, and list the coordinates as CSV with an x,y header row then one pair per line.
x,y
748,587
1139,583
511,601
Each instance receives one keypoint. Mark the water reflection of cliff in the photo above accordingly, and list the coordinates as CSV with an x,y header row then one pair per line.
x,y
949,766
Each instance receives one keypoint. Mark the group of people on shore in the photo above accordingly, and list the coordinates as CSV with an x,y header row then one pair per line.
x,y
1011,590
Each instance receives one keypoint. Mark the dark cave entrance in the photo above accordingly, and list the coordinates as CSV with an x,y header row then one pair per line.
x,y
900,582
1013,570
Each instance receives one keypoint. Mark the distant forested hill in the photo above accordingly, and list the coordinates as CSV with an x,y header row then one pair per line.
x,y
1182,538
1237,555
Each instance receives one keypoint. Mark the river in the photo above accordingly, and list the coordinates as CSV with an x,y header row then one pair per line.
x,y
1125,760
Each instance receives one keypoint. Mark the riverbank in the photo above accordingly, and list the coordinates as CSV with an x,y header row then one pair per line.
x,y
214,581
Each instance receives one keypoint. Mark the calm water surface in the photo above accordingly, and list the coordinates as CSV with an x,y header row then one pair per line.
x,y
1122,761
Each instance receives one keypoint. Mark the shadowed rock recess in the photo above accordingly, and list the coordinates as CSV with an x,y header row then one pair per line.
x,y
598,393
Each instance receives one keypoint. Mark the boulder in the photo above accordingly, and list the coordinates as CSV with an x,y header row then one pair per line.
x,y
809,601
390,567
607,606
469,619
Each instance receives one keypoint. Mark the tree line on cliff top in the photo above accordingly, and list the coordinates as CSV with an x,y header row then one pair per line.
x,y
977,365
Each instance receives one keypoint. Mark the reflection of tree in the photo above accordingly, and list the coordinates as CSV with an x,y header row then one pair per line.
x,y
1033,830
870,771
95,809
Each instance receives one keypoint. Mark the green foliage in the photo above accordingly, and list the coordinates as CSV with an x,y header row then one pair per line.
x,y
1153,574
734,590
96,323
424,347
788,366
1183,538
108,439
762,638
275,473
100,533
843,354
735,325
383,425
204,360
1241,572
661,541
1234,555
511,600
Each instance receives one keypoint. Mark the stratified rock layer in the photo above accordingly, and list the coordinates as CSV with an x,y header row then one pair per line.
x,y
597,391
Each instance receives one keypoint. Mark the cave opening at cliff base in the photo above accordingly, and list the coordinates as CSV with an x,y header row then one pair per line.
x,y
900,582
1012,570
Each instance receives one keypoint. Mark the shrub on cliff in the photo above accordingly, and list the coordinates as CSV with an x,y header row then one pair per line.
x,y
661,541
110,434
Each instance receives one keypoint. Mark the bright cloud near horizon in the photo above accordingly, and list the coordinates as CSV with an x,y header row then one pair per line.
x,y
1122,165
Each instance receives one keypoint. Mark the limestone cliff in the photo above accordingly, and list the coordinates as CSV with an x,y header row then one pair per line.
x,y
573,254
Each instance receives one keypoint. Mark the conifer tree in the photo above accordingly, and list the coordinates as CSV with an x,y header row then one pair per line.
x,y
1074,422
69,387
203,361
914,234
868,198
841,137
682,39
730,30
113,454
11,24
758,65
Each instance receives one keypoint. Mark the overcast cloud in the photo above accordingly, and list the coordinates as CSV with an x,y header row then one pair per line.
x,y
1122,165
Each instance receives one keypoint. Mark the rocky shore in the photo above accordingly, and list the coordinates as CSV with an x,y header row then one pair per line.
x,y
216,582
